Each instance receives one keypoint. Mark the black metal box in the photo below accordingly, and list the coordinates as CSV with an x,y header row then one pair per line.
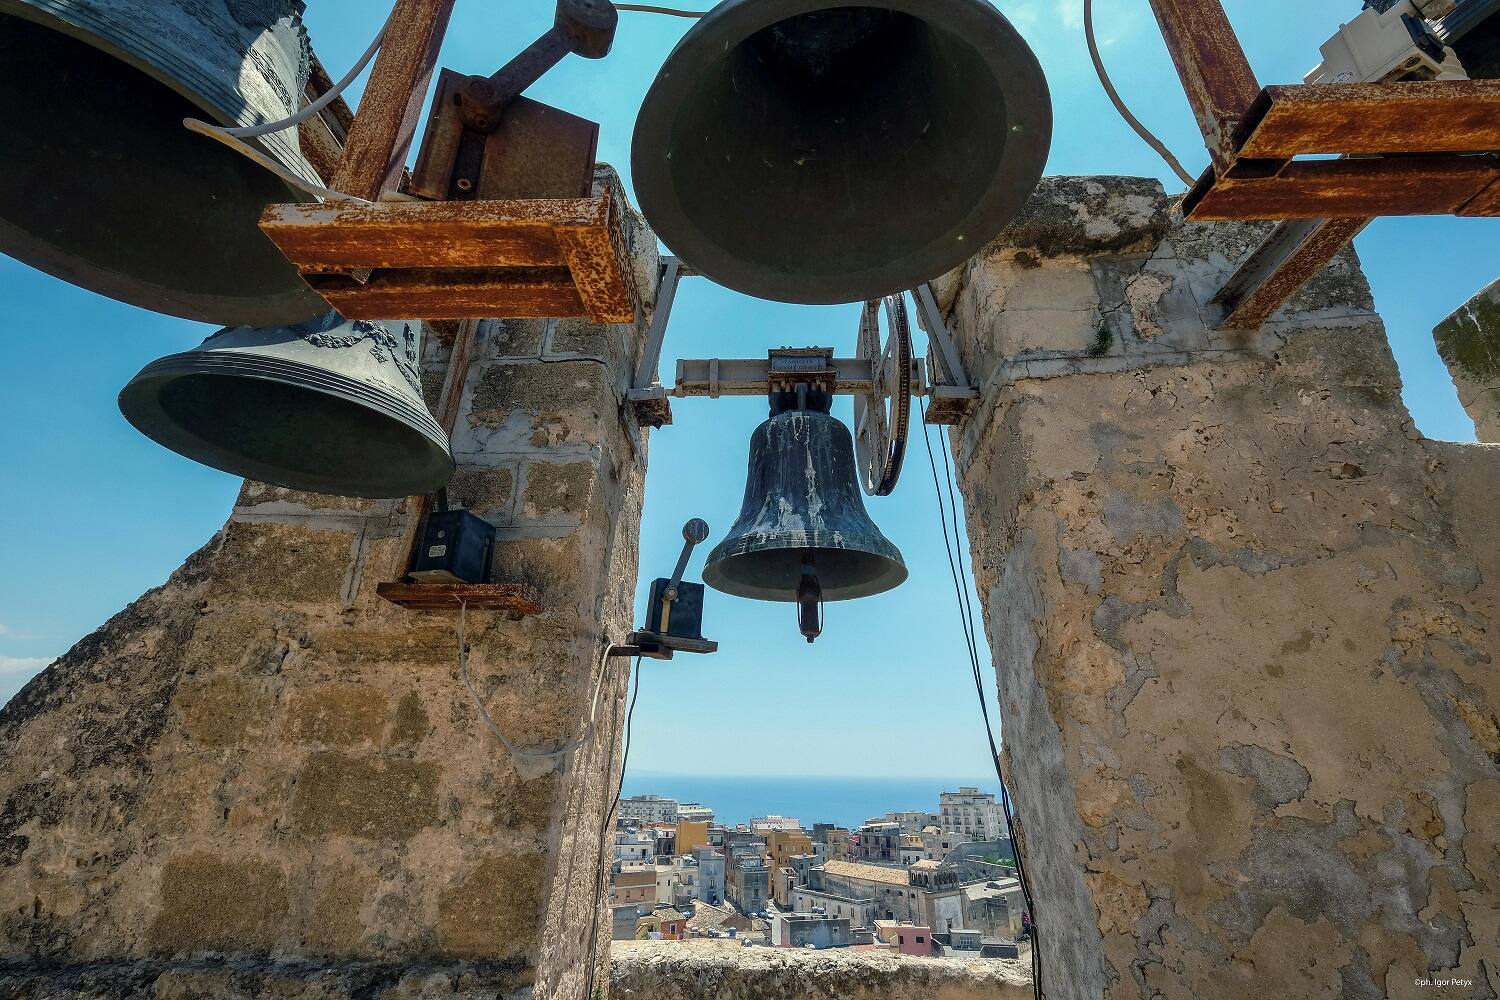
x,y
685,619
456,548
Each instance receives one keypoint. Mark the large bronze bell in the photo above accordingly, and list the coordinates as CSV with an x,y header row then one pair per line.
x,y
330,405
816,151
104,188
803,534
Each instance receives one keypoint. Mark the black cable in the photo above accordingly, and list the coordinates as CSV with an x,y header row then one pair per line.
x,y
966,616
604,824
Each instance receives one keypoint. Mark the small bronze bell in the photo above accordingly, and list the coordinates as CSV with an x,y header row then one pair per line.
x,y
803,535
329,406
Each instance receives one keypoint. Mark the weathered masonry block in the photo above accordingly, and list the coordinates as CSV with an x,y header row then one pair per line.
x,y
1242,616
261,780
1469,342
715,970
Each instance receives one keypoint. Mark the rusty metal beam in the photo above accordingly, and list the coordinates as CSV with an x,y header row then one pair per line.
x,y
392,103
1346,188
1288,259
430,234
1485,203
1215,74
1457,116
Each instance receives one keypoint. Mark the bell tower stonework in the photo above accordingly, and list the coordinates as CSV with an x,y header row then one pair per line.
x,y
1242,615
263,780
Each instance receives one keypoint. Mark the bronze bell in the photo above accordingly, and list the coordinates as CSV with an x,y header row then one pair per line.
x,y
803,534
329,406
104,187
820,152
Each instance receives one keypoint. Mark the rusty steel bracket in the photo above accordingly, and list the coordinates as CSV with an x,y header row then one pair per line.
x,y
1408,148
1286,260
485,141
527,237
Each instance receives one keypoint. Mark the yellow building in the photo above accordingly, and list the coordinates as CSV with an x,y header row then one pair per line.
x,y
690,836
783,844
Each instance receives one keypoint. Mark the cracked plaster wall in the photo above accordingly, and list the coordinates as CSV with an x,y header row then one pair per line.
x,y
1242,617
262,781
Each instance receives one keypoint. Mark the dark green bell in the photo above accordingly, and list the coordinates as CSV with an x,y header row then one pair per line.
x,y
104,188
803,509
329,406
820,151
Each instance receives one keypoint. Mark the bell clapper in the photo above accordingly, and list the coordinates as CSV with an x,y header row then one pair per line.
x,y
810,601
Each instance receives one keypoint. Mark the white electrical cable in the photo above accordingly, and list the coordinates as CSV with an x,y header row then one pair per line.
x,y
233,137
1114,97
511,748
245,149
649,9
333,94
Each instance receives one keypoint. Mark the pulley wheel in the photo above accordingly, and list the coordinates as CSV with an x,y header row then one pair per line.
x,y
882,413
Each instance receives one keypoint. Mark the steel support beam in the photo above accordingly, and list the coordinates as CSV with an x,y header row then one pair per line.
x,y
1296,250
1215,74
386,121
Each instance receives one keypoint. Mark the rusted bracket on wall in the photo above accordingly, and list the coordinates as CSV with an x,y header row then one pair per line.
x,y
547,253
1415,148
1295,250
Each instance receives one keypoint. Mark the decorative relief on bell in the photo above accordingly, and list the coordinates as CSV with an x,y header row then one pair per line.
x,y
333,331
313,406
259,15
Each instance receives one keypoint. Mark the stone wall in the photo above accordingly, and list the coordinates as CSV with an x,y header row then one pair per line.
x,y
1241,615
714,970
262,780
1469,343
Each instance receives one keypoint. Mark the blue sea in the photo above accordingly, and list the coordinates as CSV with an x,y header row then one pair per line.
x,y
843,801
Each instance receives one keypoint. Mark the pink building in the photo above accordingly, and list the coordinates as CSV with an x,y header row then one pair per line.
x,y
913,940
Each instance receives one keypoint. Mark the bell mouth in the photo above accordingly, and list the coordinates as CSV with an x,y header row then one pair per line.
x,y
288,424
774,575
106,190
810,152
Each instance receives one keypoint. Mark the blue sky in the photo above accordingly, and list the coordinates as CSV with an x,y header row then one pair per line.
x,y
95,514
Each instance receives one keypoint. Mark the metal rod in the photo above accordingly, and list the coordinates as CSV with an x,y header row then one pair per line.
x,y
386,122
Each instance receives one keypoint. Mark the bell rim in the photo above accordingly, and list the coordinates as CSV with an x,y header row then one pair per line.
x,y
1028,104
714,577
138,401
296,304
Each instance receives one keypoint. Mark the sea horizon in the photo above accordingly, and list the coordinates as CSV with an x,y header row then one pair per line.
x,y
844,800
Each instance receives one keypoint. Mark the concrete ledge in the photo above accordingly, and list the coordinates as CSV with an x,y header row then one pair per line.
x,y
1088,216
712,970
